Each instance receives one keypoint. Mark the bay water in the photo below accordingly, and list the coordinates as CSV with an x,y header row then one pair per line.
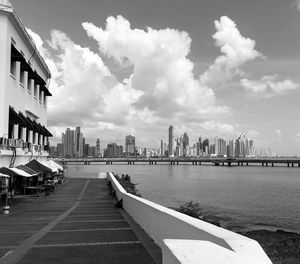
x,y
240,198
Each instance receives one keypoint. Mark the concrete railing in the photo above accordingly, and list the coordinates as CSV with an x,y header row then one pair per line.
x,y
184,239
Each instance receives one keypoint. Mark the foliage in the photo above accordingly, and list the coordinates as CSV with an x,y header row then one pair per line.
x,y
191,209
126,183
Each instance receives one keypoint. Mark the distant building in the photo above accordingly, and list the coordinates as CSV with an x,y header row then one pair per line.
x,y
60,149
92,151
185,145
130,145
114,151
98,150
171,141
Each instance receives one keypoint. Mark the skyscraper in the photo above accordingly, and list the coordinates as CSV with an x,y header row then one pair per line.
x,y
98,151
171,141
129,145
185,144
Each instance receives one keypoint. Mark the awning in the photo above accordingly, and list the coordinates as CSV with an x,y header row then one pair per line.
x,y
15,54
38,127
57,165
21,172
47,133
4,175
15,119
25,65
38,167
46,91
28,170
29,125
12,172
51,166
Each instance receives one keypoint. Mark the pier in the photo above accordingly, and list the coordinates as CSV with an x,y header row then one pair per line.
x,y
78,223
264,162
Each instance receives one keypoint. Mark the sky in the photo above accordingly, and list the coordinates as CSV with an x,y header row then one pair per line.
x,y
207,67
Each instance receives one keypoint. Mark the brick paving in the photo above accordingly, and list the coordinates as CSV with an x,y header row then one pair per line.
x,y
76,224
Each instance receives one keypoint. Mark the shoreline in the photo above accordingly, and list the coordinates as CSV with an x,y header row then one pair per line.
x,y
281,246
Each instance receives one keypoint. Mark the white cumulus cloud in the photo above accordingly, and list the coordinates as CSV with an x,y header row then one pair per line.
x,y
269,86
296,4
161,70
236,50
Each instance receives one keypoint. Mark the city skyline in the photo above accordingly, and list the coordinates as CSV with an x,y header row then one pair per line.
x,y
212,73
74,144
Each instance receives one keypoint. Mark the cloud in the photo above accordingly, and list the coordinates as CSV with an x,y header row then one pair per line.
x,y
297,137
161,89
161,70
296,4
236,50
269,86
84,90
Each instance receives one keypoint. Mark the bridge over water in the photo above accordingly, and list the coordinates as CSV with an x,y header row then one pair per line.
x,y
289,162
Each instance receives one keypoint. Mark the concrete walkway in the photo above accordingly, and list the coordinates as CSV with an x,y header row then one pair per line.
x,y
76,224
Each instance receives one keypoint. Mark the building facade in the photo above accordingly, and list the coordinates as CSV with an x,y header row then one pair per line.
x,y
24,79
129,145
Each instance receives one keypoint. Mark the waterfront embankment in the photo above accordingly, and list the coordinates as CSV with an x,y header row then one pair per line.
x,y
281,246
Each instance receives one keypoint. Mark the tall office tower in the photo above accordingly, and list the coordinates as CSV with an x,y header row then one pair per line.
x,y
205,146
68,142
185,144
200,143
98,150
162,150
197,149
77,141
171,141
129,145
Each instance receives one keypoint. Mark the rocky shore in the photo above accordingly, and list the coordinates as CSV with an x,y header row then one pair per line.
x,y
281,246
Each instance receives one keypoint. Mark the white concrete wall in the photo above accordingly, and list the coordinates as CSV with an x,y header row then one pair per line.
x,y
162,223
22,157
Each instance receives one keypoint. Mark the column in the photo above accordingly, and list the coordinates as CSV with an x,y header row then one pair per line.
x,y
30,139
24,134
16,129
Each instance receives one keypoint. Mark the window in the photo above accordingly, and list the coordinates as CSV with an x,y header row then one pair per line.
x,y
40,96
20,132
13,67
29,85
45,100
35,91
22,78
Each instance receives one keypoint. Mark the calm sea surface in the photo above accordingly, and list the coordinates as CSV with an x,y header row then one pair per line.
x,y
242,197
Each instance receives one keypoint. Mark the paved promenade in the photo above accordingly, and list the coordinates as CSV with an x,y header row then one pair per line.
x,y
76,224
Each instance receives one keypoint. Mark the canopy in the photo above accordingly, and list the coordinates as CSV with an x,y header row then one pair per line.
x,y
50,165
14,172
57,164
28,170
4,175
21,172
38,167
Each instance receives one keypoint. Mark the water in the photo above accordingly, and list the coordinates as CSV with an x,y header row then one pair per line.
x,y
242,198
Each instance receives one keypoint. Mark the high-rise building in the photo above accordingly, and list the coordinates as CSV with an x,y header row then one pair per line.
x,y
114,151
98,150
68,142
185,144
171,141
162,150
129,145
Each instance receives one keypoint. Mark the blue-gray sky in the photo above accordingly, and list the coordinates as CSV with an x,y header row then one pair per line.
x,y
208,67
